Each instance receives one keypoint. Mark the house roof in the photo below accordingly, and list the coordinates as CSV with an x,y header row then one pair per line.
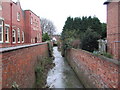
x,y
108,1
32,12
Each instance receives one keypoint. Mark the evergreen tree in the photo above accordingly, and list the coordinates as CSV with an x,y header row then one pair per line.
x,y
89,40
86,29
104,30
68,24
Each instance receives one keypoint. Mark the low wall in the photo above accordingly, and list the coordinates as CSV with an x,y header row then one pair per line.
x,y
93,71
18,64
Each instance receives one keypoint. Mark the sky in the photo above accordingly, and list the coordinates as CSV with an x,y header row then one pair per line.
x,y
58,10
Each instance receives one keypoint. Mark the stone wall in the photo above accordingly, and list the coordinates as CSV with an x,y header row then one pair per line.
x,y
93,71
18,64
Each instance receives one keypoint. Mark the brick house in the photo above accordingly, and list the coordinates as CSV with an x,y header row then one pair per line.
x,y
18,27
113,27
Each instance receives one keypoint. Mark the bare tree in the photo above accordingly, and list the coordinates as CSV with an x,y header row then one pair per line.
x,y
47,26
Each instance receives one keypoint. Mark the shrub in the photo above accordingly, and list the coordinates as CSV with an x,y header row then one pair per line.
x,y
107,55
45,37
89,40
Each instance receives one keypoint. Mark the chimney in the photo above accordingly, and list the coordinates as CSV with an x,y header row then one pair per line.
x,y
18,2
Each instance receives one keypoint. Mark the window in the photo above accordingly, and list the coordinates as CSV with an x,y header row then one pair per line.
x,y
31,20
6,34
37,24
22,37
1,30
0,6
13,36
18,33
1,22
18,16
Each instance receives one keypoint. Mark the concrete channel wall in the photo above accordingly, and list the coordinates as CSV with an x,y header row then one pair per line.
x,y
18,64
94,71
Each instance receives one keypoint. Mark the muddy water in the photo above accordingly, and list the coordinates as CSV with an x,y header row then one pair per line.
x,y
62,76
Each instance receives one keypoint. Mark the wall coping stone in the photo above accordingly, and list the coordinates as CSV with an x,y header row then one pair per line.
x,y
7,49
117,62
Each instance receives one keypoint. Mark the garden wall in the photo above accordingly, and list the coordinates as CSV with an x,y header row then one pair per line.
x,y
18,64
94,71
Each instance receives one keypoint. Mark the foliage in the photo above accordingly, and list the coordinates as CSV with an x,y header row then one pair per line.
x,y
41,72
45,37
47,26
97,53
15,86
50,49
68,24
104,32
107,55
78,29
89,40
82,24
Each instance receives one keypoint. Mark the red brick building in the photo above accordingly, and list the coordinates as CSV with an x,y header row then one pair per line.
x,y
18,27
113,27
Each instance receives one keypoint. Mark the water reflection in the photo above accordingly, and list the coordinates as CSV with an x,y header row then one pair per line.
x,y
62,76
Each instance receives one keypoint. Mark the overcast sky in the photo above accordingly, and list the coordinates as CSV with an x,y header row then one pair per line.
x,y
58,10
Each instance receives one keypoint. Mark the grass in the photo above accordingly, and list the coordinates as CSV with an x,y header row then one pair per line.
x,y
41,72
108,55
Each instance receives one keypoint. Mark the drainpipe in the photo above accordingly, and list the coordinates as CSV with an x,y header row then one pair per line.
x,y
11,22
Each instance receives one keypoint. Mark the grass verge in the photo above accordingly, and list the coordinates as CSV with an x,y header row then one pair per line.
x,y
41,72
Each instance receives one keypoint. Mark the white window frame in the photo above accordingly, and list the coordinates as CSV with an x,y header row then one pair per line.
x,y
18,16
1,26
8,28
0,6
18,35
14,35
31,20
23,37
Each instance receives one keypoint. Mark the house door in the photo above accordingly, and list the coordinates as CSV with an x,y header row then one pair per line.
x,y
35,39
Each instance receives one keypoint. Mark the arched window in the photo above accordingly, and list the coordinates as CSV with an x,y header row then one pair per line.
x,y
1,31
6,33
18,34
22,37
18,16
13,36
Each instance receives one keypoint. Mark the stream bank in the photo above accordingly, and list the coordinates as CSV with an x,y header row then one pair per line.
x,y
62,75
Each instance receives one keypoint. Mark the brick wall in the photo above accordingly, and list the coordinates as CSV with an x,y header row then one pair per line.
x,y
93,71
0,71
113,28
18,64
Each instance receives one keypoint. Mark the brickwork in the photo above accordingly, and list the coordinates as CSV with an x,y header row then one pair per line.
x,y
113,28
93,71
0,71
33,28
18,65
14,18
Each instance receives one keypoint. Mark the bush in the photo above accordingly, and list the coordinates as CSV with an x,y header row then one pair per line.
x,y
107,55
41,70
89,40
97,53
45,37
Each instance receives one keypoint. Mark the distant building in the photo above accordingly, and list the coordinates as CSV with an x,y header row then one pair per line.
x,y
56,37
18,27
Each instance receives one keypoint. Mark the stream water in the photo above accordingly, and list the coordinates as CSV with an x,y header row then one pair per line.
x,y
62,75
